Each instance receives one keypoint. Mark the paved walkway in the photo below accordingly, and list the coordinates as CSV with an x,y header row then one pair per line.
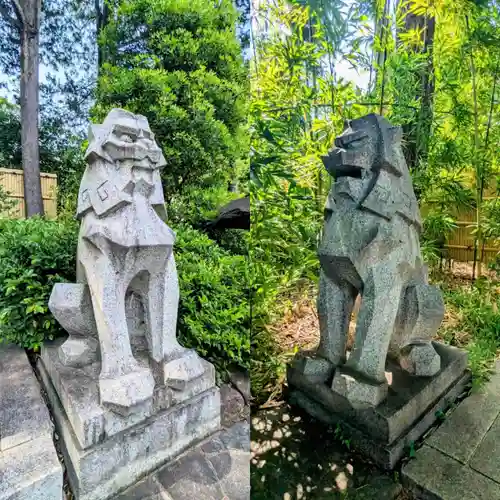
x,y
461,459
216,469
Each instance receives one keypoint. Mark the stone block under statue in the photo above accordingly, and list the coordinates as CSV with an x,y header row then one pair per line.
x,y
384,433
387,390
126,396
106,452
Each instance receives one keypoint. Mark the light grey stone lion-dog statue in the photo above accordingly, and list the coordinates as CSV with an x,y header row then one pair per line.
x,y
127,290
371,247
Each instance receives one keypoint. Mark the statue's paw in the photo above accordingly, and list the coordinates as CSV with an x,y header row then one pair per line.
x,y
420,360
78,352
127,393
360,394
179,372
313,367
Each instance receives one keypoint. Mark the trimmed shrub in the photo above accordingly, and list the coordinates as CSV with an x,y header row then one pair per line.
x,y
214,311
34,255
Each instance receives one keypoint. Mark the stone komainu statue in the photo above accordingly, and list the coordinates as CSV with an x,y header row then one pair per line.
x,y
127,292
370,246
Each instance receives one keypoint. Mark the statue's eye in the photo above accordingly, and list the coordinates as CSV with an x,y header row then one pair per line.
x,y
126,138
356,143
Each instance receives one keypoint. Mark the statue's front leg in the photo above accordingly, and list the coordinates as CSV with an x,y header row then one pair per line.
x,y
362,381
335,304
123,383
179,365
162,304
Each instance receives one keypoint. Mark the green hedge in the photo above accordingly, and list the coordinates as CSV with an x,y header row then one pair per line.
x,y
213,314
34,255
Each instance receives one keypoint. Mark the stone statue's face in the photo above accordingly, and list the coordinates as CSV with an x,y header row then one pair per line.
x,y
364,143
356,149
132,142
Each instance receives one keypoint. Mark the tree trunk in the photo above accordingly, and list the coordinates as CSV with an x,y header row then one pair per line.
x,y
418,134
102,20
30,107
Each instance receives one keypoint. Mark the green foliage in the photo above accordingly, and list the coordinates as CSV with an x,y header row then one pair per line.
x,y
34,255
6,203
477,326
235,241
179,63
437,227
214,309
491,221
197,205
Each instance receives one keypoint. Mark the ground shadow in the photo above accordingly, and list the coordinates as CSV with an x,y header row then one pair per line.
x,y
295,457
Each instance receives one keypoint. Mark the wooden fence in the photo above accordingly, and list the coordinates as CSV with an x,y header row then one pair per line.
x,y
12,182
460,244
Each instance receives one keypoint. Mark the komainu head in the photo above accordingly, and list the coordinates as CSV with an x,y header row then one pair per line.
x,y
367,143
125,137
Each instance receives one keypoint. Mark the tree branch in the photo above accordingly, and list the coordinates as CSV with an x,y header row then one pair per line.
x,y
19,12
14,22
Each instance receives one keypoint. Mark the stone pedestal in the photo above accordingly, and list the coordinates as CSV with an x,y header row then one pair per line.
x,y
384,432
106,452
29,466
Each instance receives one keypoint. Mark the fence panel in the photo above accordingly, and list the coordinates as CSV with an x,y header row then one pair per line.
x,y
460,244
12,182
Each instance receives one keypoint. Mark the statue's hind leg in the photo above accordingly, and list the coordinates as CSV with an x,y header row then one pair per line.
x,y
420,315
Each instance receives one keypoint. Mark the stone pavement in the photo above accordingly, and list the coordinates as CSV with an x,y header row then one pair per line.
x,y
461,459
29,468
217,469
297,457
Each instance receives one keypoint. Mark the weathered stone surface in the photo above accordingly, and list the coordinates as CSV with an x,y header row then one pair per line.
x,y
23,414
241,380
435,476
209,470
370,247
149,489
217,469
29,467
486,459
78,393
126,396
367,441
236,482
31,471
460,459
238,437
112,465
460,434
233,407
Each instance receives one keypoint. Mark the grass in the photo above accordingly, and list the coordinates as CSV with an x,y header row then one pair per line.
x,y
472,321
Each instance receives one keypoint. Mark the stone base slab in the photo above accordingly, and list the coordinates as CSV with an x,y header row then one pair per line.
x,y
119,460
29,466
78,392
409,411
